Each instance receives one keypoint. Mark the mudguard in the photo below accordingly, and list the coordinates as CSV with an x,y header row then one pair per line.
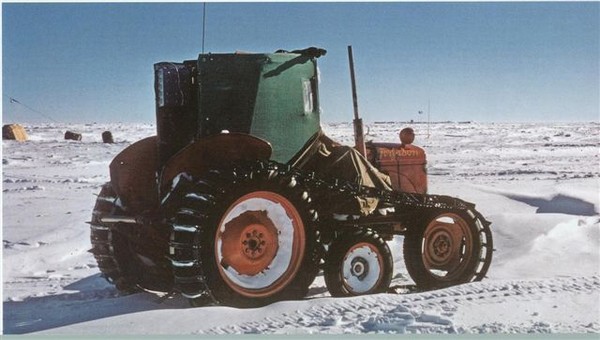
x,y
133,176
134,171
214,152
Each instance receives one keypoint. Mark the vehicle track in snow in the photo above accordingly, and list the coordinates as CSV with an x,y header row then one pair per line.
x,y
425,312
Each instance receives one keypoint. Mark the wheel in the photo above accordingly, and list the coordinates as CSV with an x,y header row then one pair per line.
x,y
249,245
109,250
128,267
447,249
358,263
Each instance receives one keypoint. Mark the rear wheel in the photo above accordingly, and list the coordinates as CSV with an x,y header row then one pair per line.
x,y
358,263
123,262
448,248
259,244
110,250
249,245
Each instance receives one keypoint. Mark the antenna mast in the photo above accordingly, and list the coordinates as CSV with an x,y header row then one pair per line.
x,y
428,116
203,25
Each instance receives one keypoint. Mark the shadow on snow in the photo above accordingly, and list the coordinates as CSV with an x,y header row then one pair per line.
x,y
560,204
90,301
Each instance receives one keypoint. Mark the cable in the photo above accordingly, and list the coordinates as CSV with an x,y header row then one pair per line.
x,y
14,101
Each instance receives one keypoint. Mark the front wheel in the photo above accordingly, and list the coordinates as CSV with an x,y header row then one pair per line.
x,y
358,263
449,248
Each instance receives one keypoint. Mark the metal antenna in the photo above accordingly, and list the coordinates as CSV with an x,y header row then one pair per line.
x,y
428,116
203,25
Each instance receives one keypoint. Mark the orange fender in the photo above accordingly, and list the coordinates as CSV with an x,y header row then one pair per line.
x,y
134,171
212,152
133,175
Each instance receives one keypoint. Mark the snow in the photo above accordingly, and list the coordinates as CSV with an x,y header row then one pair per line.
x,y
537,182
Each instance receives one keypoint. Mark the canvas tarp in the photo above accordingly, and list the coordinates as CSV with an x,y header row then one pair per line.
x,y
330,159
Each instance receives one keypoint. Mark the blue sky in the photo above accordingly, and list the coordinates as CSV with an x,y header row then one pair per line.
x,y
472,61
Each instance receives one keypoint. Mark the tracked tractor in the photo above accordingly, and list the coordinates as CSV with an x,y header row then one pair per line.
x,y
241,199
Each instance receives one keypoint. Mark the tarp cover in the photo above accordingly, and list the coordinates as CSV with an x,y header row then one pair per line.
x,y
330,159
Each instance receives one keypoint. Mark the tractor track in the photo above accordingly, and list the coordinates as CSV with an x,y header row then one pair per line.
x,y
426,312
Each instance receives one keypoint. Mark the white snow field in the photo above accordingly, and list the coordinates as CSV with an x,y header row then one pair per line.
x,y
538,183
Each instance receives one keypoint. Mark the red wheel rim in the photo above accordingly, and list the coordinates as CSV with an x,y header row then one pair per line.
x,y
259,244
447,246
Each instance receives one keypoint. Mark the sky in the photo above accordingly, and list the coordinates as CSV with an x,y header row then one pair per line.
x,y
489,62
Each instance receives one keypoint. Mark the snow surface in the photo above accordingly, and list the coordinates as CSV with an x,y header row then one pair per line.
x,y
537,183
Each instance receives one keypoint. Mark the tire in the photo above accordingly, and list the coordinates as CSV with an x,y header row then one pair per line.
x,y
358,263
116,255
245,240
448,248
